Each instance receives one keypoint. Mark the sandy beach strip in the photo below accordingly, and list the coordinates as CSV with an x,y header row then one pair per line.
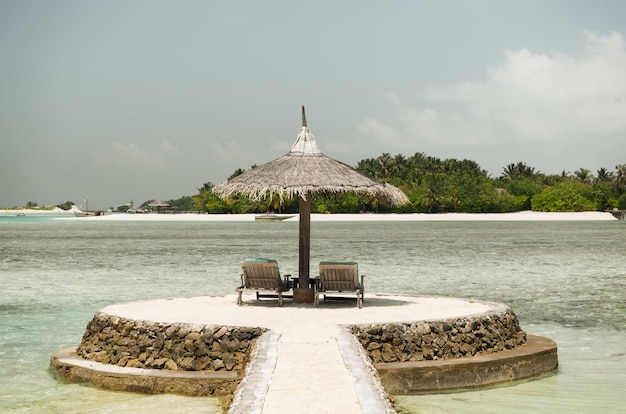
x,y
518,216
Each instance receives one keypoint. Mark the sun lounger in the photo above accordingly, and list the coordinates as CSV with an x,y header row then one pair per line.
x,y
261,274
342,277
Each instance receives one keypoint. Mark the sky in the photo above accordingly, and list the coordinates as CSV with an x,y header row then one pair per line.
x,y
148,99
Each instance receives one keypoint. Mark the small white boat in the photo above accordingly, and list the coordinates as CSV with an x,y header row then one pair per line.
x,y
271,217
86,213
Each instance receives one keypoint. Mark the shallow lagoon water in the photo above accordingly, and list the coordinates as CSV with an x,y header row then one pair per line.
x,y
565,280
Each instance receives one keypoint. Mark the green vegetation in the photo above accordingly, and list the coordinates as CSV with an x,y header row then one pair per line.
x,y
65,206
31,206
434,185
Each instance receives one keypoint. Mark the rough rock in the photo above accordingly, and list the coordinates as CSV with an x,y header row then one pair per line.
x,y
177,346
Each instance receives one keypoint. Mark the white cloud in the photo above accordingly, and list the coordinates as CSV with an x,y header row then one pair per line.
x,y
550,101
132,155
377,128
231,150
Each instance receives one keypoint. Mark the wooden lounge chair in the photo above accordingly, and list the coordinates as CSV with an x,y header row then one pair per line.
x,y
262,274
340,277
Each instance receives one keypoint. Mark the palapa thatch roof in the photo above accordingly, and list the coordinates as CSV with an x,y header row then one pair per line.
x,y
305,170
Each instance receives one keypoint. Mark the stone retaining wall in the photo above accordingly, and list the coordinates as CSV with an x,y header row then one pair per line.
x,y
443,339
176,346
186,347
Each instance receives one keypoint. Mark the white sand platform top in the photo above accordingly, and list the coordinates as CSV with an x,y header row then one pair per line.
x,y
222,310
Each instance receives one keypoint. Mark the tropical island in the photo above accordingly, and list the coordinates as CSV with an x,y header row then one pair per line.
x,y
432,185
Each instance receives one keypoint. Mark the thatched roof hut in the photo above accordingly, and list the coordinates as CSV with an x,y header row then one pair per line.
x,y
302,172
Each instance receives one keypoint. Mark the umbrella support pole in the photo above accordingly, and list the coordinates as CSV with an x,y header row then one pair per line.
x,y
303,294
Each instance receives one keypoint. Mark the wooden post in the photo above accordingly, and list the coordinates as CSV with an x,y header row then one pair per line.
x,y
305,241
304,294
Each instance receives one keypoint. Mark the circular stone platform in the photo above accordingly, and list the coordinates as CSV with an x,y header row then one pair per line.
x,y
281,357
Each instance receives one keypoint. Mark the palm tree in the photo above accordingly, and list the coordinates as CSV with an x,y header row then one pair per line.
x,y
237,172
508,172
519,170
604,174
385,164
584,175
399,166
208,186
619,178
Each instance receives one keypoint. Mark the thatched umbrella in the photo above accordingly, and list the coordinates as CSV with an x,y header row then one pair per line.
x,y
302,172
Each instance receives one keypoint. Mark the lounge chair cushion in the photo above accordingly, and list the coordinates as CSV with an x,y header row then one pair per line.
x,y
258,260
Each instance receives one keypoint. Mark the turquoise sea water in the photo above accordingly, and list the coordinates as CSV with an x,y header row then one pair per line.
x,y
564,280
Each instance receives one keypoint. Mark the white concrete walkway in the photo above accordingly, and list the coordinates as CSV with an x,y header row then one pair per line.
x,y
321,374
